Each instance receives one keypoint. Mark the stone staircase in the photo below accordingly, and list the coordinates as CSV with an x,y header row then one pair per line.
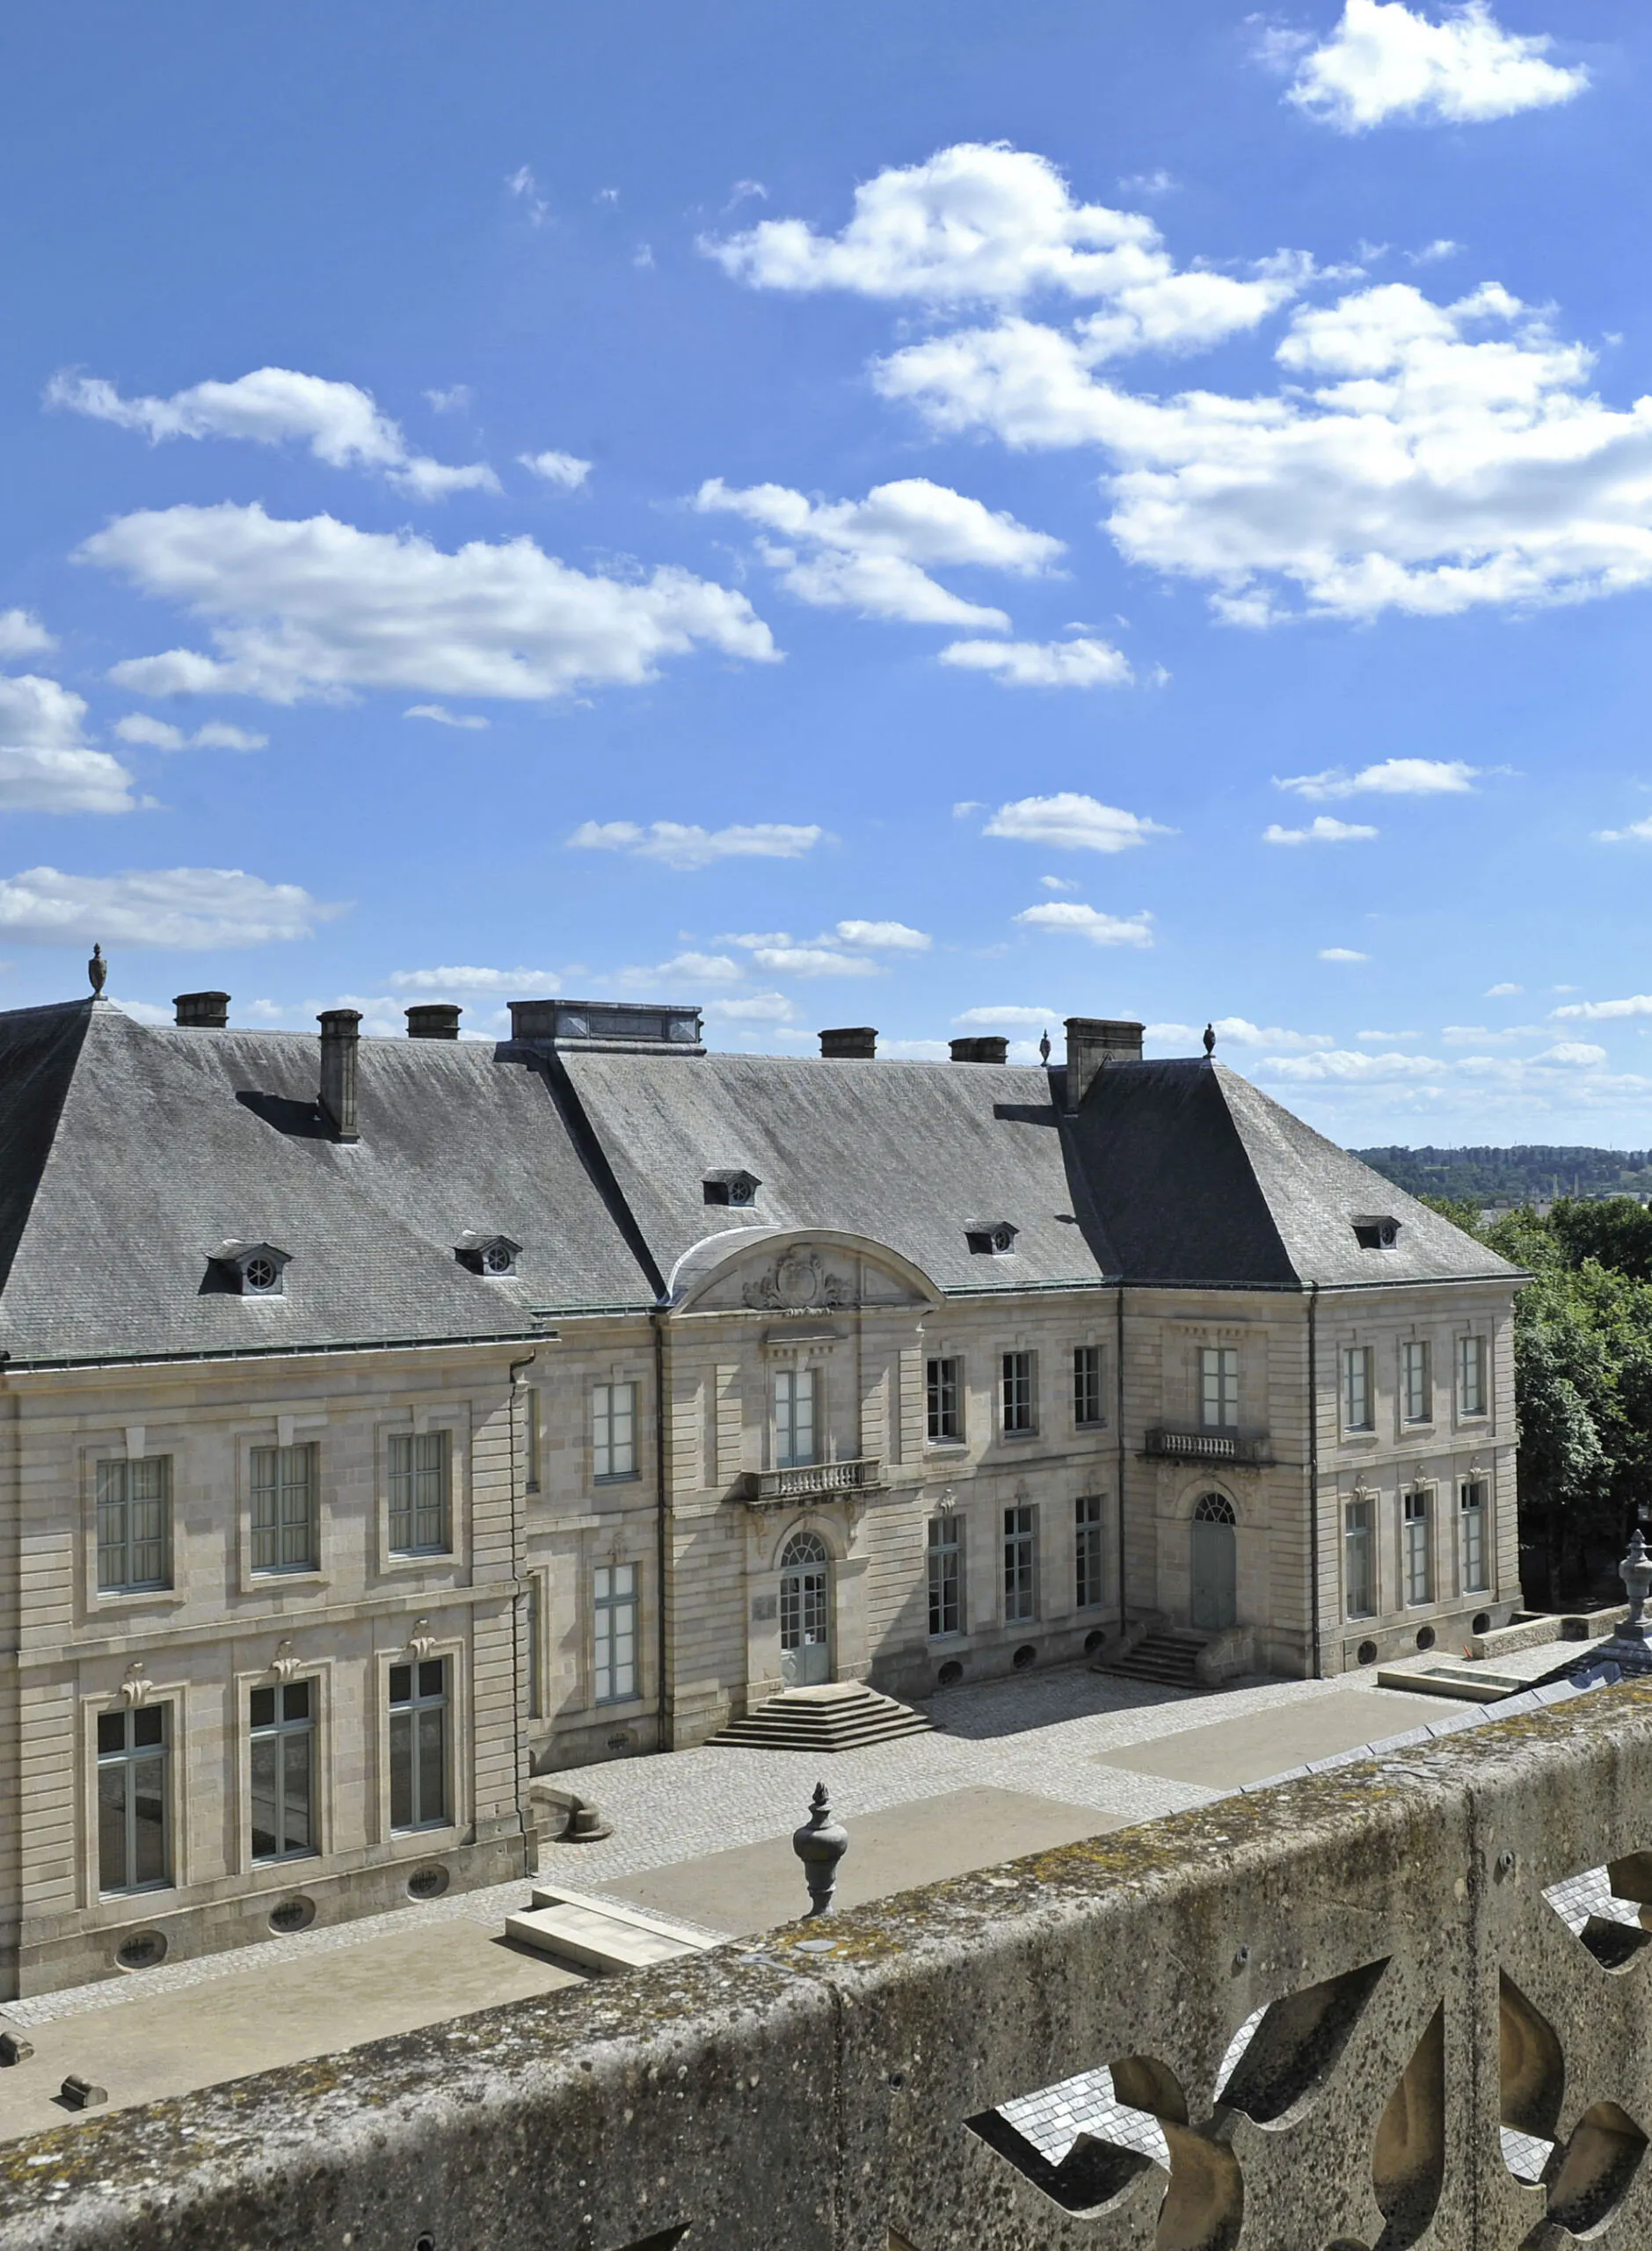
x,y
605,1936
841,1716
1167,1656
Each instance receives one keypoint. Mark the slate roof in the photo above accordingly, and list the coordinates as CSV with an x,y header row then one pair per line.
x,y
129,1152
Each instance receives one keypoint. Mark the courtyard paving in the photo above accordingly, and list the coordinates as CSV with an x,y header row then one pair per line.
x,y
1014,1766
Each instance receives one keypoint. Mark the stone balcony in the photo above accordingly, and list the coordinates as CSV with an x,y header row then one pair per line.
x,y
814,1480
1244,1449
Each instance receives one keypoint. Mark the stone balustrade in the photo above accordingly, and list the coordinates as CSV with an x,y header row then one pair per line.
x,y
1397,2004
814,1480
1247,1448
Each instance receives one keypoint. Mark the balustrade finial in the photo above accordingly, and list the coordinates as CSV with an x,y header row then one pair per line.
x,y
821,1844
1635,1571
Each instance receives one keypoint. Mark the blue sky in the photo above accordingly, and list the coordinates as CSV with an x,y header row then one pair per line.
x,y
1127,511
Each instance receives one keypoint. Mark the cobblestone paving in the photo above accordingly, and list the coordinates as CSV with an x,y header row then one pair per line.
x,y
1042,1734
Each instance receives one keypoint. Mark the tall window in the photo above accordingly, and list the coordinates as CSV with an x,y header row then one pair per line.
x,y
946,1572
1089,1582
1358,1412
284,1513
1358,1577
1021,1589
1416,1388
134,1508
1020,1401
283,1747
1087,1411
419,1479
943,1386
133,1764
1419,1567
1219,1387
418,1745
613,1430
794,1418
615,1612
1471,1497
1470,1375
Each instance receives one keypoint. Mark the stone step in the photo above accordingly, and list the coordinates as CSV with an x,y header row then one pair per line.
x,y
1169,1660
839,1715
601,1935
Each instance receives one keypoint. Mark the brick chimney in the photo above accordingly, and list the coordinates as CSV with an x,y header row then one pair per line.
x,y
434,1019
1093,1041
856,1040
990,1049
339,1042
203,1011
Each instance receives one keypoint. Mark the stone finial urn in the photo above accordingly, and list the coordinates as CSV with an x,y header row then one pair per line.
x,y
821,1844
1635,1571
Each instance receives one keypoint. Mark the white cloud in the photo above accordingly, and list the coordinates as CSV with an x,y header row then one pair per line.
x,y
1577,1053
753,1008
870,555
1069,821
1431,253
1385,1039
22,635
160,734
189,907
340,423
1394,777
1239,1031
1041,1017
986,224
455,400
44,763
1384,60
1153,183
680,844
1638,832
703,968
1502,992
1057,883
1083,663
1343,953
444,717
565,469
1420,457
1638,1004
813,961
522,185
895,938
517,982
316,608
1568,1062
1479,1035
1322,830
915,1050
1089,923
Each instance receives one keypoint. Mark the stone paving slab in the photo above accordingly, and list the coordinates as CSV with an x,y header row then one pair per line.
x,y
264,2015
1230,1752
754,1887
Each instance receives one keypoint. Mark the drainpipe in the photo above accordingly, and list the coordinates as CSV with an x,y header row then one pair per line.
x,y
518,1561
1314,1471
662,1541
1118,1424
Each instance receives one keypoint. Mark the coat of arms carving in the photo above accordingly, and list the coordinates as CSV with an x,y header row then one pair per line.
x,y
797,1283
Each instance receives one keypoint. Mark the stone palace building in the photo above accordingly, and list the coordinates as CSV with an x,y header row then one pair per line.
x,y
387,1421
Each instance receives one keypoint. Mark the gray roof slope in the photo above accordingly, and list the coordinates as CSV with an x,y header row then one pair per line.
x,y
910,1154
1199,1177
169,1142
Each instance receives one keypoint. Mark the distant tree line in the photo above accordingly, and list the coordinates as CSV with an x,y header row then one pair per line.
x,y
1582,1382
1532,1173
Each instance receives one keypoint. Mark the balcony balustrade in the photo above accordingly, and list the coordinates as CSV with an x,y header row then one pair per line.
x,y
813,1481
1174,1442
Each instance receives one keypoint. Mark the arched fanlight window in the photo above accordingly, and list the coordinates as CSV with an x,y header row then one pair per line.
x,y
1214,1508
805,1547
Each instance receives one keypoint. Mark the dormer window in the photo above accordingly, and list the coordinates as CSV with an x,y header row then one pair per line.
x,y
494,1255
254,1270
990,1238
1376,1234
732,1187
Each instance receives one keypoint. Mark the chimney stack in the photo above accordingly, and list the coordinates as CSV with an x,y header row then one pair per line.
x,y
989,1050
1093,1041
202,1011
434,1019
339,1043
856,1041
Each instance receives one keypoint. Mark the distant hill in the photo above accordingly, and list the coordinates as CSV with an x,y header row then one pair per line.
x,y
1530,1173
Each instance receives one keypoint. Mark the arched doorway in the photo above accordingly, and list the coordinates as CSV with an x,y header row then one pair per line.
x,y
805,1610
1214,1603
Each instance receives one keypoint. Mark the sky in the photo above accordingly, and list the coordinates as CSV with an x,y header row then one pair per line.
x,y
937,518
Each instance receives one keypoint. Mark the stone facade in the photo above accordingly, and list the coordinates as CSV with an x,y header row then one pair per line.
x,y
574,1531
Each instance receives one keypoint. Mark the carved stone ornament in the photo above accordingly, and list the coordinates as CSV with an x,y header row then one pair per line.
x,y
797,1283
421,1641
137,1686
284,1664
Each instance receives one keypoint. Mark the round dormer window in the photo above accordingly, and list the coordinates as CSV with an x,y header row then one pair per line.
x,y
740,1191
260,1274
496,1259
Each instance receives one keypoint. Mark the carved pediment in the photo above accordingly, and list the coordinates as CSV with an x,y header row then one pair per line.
x,y
787,1277
798,1281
